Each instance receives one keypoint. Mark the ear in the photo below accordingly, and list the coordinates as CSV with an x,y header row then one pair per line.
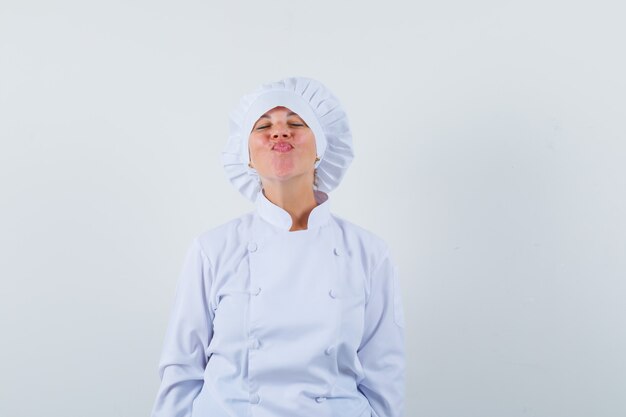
x,y
249,159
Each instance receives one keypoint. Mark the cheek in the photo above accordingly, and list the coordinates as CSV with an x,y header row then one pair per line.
x,y
308,145
255,145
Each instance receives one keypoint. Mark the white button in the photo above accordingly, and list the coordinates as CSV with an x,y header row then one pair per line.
x,y
255,291
255,399
332,293
254,343
329,350
320,399
336,252
252,246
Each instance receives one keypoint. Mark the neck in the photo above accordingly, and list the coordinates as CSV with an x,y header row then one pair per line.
x,y
295,197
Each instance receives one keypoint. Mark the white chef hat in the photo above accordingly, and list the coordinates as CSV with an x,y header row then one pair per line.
x,y
319,109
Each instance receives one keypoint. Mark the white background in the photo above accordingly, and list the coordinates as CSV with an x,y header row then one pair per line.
x,y
490,151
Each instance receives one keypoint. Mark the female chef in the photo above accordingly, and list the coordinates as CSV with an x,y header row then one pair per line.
x,y
289,310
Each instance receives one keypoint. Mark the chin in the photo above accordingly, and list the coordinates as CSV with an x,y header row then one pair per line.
x,y
285,175
284,171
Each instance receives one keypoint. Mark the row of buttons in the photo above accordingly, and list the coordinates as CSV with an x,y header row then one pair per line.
x,y
252,247
254,343
333,293
255,399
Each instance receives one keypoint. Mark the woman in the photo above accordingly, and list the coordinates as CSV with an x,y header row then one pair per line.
x,y
288,310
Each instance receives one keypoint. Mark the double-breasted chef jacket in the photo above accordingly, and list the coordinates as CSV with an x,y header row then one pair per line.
x,y
272,323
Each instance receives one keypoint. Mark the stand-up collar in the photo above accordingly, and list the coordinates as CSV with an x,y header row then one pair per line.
x,y
279,217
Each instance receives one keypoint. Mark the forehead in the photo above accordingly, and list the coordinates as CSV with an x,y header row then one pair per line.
x,y
278,111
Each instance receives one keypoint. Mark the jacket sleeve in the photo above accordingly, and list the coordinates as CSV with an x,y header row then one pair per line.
x,y
382,351
183,358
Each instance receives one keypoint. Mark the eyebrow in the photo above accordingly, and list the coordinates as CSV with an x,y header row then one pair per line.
x,y
288,114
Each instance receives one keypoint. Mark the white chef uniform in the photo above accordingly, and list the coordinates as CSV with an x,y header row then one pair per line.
x,y
272,323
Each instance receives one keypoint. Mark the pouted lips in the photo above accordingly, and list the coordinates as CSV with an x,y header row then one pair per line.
x,y
282,147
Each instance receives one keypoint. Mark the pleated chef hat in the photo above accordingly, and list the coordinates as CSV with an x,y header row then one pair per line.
x,y
316,105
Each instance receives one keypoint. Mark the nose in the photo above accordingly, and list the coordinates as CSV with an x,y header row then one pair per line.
x,y
280,132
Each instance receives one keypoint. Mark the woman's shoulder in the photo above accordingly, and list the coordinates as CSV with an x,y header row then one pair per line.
x,y
361,239
219,238
358,231
236,224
